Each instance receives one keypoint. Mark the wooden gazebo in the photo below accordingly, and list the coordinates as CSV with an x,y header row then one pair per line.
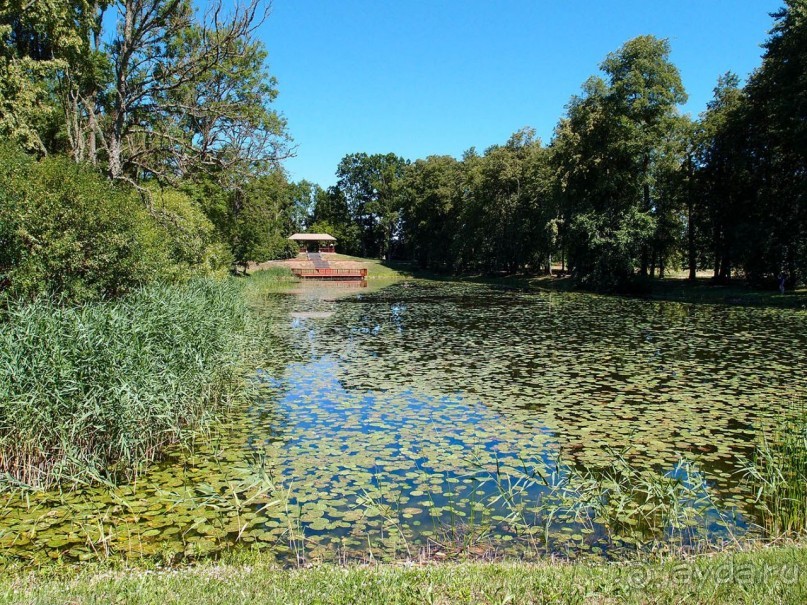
x,y
325,242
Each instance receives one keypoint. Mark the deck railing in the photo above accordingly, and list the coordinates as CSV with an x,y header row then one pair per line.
x,y
330,272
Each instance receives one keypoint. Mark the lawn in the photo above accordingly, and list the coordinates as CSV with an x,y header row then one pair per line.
x,y
771,575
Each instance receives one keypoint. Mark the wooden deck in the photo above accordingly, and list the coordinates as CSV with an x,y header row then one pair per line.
x,y
330,273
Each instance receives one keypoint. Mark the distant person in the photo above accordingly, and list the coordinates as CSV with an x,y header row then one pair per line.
x,y
781,283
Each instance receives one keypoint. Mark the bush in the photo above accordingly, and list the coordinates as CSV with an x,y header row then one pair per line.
x,y
191,236
66,230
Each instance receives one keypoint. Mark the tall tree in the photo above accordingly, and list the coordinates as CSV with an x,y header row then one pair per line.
x,y
170,95
371,186
331,214
723,175
189,93
432,205
44,45
608,153
505,210
645,88
777,122
262,217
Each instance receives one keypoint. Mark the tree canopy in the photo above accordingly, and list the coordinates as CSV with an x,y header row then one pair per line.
x,y
174,107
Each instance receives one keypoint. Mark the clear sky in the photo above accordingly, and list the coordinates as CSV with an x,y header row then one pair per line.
x,y
426,77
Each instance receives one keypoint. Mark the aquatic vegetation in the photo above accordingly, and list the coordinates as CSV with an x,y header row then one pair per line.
x,y
456,420
778,474
92,392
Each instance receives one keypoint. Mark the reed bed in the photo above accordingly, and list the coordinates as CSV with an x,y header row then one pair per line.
x,y
778,473
94,392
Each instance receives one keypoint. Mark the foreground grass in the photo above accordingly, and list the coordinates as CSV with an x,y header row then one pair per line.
x,y
778,473
772,575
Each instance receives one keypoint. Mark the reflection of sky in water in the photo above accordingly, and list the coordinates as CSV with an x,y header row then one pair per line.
x,y
435,451
590,375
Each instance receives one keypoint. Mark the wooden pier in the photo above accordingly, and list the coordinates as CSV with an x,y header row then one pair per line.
x,y
330,274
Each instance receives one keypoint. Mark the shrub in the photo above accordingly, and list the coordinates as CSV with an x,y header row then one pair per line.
x,y
66,230
190,235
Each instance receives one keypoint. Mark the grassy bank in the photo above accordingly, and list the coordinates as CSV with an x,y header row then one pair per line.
x,y
773,575
97,390
378,269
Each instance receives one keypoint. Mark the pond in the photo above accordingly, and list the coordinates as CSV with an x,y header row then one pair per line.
x,y
437,418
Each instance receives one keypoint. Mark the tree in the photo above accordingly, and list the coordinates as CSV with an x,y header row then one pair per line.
x,y
506,212
608,155
305,196
432,206
331,215
723,175
262,218
777,135
189,94
169,96
43,44
66,230
645,88
371,186
603,226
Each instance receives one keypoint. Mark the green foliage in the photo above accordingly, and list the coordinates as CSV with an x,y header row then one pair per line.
x,y
778,473
69,232
192,237
723,217
96,390
776,152
612,154
371,187
433,200
332,215
262,220
507,207
750,177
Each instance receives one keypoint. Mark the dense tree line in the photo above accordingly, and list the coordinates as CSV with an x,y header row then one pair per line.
x,y
142,145
627,188
165,115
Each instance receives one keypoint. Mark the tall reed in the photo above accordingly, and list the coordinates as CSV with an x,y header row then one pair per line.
x,y
91,392
778,472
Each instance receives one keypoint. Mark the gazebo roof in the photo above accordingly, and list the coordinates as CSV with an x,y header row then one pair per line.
x,y
312,237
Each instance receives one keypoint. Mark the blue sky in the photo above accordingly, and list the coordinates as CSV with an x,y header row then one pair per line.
x,y
424,77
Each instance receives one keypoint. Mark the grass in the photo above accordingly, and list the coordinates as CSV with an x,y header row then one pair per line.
x,y
271,280
378,269
94,392
770,575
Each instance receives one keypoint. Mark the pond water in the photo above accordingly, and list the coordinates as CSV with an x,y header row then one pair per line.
x,y
435,418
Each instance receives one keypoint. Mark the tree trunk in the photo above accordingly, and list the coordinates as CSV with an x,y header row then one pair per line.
x,y
92,129
725,269
646,195
691,253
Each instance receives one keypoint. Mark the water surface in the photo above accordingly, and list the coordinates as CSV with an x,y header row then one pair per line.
x,y
430,417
